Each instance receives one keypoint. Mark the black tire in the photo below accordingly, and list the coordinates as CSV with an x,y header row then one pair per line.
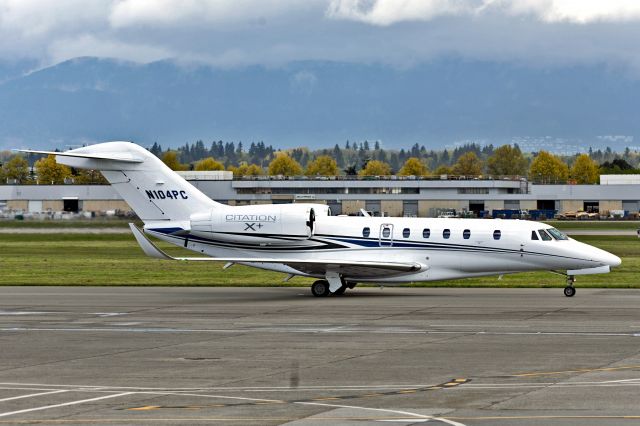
x,y
569,291
320,288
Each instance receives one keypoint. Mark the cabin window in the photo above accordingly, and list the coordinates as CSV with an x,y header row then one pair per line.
x,y
557,234
466,234
386,232
544,235
426,233
406,232
534,236
366,232
497,234
446,234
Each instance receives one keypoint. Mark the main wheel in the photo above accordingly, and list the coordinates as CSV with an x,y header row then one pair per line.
x,y
569,291
320,288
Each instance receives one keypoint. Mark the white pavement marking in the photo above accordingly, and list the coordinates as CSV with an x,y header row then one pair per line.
x,y
414,416
22,313
33,394
383,330
86,388
64,404
108,314
18,386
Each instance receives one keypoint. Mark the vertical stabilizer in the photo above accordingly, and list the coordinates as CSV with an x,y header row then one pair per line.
x,y
153,190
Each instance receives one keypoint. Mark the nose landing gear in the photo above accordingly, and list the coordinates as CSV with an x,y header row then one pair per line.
x,y
570,290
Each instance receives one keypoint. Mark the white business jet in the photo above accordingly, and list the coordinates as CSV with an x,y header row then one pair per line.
x,y
305,240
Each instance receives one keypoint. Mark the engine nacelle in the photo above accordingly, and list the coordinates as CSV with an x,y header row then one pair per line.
x,y
261,224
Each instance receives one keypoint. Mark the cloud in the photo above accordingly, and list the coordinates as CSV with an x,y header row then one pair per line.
x,y
388,12
275,32
575,11
224,13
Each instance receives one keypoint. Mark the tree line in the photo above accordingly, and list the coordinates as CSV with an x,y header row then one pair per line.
x,y
370,159
354,158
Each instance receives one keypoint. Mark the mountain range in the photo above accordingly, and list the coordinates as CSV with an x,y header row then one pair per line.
x,y
315,104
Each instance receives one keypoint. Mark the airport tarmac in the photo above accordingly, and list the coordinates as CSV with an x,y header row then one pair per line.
x,y
268,356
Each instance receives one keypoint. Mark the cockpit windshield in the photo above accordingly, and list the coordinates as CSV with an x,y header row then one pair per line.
x,y
557,234
544,235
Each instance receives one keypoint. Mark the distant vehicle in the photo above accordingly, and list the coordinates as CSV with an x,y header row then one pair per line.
x,y
448,214
304,239
580,214
586,215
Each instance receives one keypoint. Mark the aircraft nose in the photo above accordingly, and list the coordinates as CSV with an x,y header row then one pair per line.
x,y
612,260
607,258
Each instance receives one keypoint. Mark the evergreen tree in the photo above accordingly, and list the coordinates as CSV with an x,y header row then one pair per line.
x,y
337,155
156,149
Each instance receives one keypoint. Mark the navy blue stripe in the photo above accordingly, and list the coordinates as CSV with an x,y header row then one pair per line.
x,y
332,244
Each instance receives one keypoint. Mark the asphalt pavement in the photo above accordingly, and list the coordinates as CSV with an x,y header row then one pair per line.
x,y
268,356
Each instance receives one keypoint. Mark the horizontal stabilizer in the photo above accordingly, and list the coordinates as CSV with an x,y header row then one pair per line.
x,y
82,155
345,267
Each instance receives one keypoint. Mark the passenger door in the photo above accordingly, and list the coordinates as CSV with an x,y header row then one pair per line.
x,y
386,235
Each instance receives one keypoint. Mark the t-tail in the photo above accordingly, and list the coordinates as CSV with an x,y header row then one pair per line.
x,y
154,191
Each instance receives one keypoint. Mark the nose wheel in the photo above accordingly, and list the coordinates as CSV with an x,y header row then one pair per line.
x,y
570,290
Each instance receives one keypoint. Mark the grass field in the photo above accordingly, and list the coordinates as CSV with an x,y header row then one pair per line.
x,y
604,225
79,259
76,223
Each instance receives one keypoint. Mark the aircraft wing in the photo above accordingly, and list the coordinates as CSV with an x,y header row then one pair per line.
x,y
347,268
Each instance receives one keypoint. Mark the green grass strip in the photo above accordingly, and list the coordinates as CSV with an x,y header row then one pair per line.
x,y
116,259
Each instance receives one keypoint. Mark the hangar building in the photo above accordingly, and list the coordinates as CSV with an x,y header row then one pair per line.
x,y
395,196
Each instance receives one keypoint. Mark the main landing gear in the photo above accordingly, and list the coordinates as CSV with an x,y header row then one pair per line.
x,y
321,288
570,290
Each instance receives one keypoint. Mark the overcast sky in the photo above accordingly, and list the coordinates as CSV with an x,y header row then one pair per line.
x,y
273,32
